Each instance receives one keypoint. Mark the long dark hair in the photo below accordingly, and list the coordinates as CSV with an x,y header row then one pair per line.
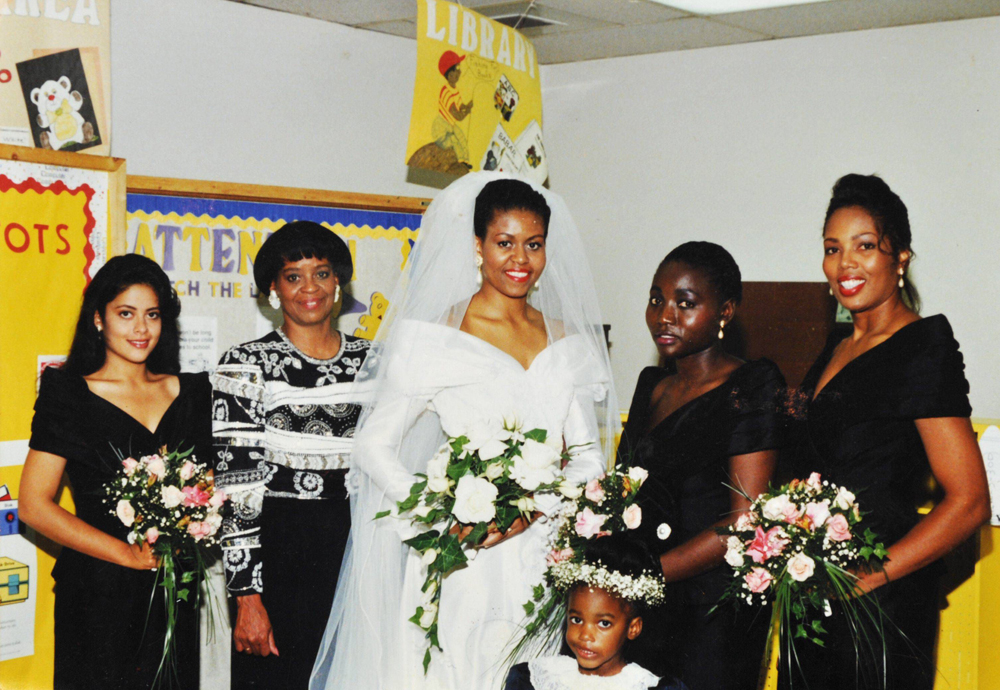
x,y
87,353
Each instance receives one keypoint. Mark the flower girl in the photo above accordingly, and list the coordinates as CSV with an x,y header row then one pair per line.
x,y
608,597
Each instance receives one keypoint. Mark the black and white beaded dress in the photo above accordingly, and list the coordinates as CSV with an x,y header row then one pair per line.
x,y
283,427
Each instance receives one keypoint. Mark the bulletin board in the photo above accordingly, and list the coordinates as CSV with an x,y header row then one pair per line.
x,y
206,236
61,215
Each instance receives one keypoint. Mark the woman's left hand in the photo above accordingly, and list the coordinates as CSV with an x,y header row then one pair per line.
x,y
494,536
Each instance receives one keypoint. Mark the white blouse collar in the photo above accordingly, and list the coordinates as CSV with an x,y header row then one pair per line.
x,y
562,673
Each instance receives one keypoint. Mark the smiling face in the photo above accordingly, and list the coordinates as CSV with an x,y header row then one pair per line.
x,y
858,263
131,324
306,289
684,311
513,252
597,627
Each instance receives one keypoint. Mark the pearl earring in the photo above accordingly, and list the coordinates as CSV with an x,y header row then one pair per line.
x,y
901,282
831,292
273,300
479,270
722,324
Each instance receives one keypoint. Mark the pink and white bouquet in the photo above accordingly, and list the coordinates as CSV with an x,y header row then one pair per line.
x,y
486,478
603,506
800,546
170,502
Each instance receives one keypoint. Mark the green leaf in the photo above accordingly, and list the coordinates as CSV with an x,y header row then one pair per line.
x,y
415,618
427,660
538,592
817,626
477,533
381,514
451,555
423,541
529,608
187,577
536,435
182,594
408,503
458,469
418,487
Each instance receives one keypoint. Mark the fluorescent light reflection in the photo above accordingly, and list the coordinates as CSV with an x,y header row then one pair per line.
x,y
727,6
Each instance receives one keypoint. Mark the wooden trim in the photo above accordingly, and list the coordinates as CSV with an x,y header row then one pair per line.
x,y
141,184
117,214
66,159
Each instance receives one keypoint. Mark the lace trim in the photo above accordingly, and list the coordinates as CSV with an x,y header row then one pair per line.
x,y
562,673
309,461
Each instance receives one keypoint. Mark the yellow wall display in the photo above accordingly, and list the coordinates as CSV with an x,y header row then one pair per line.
x,y
477,101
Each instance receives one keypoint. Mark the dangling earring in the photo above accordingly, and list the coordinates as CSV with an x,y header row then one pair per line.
x,y
336,293
901,282
273,300
831,292
479,270
100,332
722,324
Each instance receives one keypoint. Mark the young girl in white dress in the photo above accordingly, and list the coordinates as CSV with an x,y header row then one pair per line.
x,y
610,599
495,316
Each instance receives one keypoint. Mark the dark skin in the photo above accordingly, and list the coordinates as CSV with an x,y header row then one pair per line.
x,y
306,289
457,112
863,270
683,314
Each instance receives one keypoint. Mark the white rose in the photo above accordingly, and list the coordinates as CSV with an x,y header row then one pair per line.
x,y
427,617
734,558
525,504
537,464
438,484
171,496
570,490
801,567
125,512
844,499
663,531
474,500
494,470
430,555
131,538
437,466
422,510
637,474
632,516
555,442
482,432
775,508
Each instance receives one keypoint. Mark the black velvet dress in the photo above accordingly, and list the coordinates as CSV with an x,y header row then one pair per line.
x,y
687,456
102,636
859,433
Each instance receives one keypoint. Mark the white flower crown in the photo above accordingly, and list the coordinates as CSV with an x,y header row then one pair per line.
x,y
647,587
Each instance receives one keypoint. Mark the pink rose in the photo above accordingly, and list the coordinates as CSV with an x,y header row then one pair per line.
x,y
130,464
588,524
558,556
837,528
758,580
187,470
155,466
815,481
200,530
125,513
766,544
632,516
594,492
217,499
152,534
818,513
744,522
195,496
782,508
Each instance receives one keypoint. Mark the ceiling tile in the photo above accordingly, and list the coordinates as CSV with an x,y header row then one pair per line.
x,y
350,12
676,34
852,15
401,27
616,11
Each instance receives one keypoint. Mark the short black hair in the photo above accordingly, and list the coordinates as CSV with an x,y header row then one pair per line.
x,y
871,194
87,353
301,239
500,196
718,264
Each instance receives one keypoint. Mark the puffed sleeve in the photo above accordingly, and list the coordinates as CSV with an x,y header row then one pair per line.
x,y
756,408
56,426
519,678
240,468
931,379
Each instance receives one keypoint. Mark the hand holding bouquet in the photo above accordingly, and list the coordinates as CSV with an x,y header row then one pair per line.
x,y
485,479
169,501
799,546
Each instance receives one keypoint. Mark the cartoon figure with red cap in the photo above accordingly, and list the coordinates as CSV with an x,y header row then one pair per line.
x,y
446,131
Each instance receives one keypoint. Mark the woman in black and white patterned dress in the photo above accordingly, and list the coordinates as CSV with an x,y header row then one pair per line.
x,y
284,417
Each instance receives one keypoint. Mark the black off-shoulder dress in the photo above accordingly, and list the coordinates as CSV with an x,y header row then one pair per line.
x,y
102,636
687,456
859,432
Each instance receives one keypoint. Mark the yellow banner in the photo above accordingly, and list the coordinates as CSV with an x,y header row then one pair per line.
x,y
477,102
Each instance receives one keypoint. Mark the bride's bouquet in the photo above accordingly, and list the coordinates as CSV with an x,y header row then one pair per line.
x,y
170,502
489,476
799,546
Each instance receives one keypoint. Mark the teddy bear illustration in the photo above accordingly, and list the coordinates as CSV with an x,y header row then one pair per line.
x,y
58,115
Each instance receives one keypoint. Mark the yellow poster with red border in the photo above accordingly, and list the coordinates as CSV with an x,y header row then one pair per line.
x,y
477,100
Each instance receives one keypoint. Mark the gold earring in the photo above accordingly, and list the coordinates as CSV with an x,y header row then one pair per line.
x,y
722,324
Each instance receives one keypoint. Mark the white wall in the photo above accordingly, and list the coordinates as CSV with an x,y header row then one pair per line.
x,y
741,145
215,90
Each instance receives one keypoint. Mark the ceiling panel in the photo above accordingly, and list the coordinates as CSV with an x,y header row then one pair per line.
x,y
676,34
402,27
626,12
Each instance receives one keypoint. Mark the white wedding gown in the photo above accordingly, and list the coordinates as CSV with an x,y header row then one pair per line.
x,y
452,379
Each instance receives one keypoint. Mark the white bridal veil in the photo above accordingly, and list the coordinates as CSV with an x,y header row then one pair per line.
x,y
364,638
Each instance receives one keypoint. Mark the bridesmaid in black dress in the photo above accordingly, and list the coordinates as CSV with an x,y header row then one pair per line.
x,y
704,425
886,405
119,394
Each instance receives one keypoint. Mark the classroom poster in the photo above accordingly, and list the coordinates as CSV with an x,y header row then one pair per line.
x,y
55,74
477,101
208,246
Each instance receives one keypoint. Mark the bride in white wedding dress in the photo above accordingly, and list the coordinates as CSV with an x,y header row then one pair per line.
x,y
495,317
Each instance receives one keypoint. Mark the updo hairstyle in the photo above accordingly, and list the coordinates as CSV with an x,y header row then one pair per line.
x,y
501,196
715,262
